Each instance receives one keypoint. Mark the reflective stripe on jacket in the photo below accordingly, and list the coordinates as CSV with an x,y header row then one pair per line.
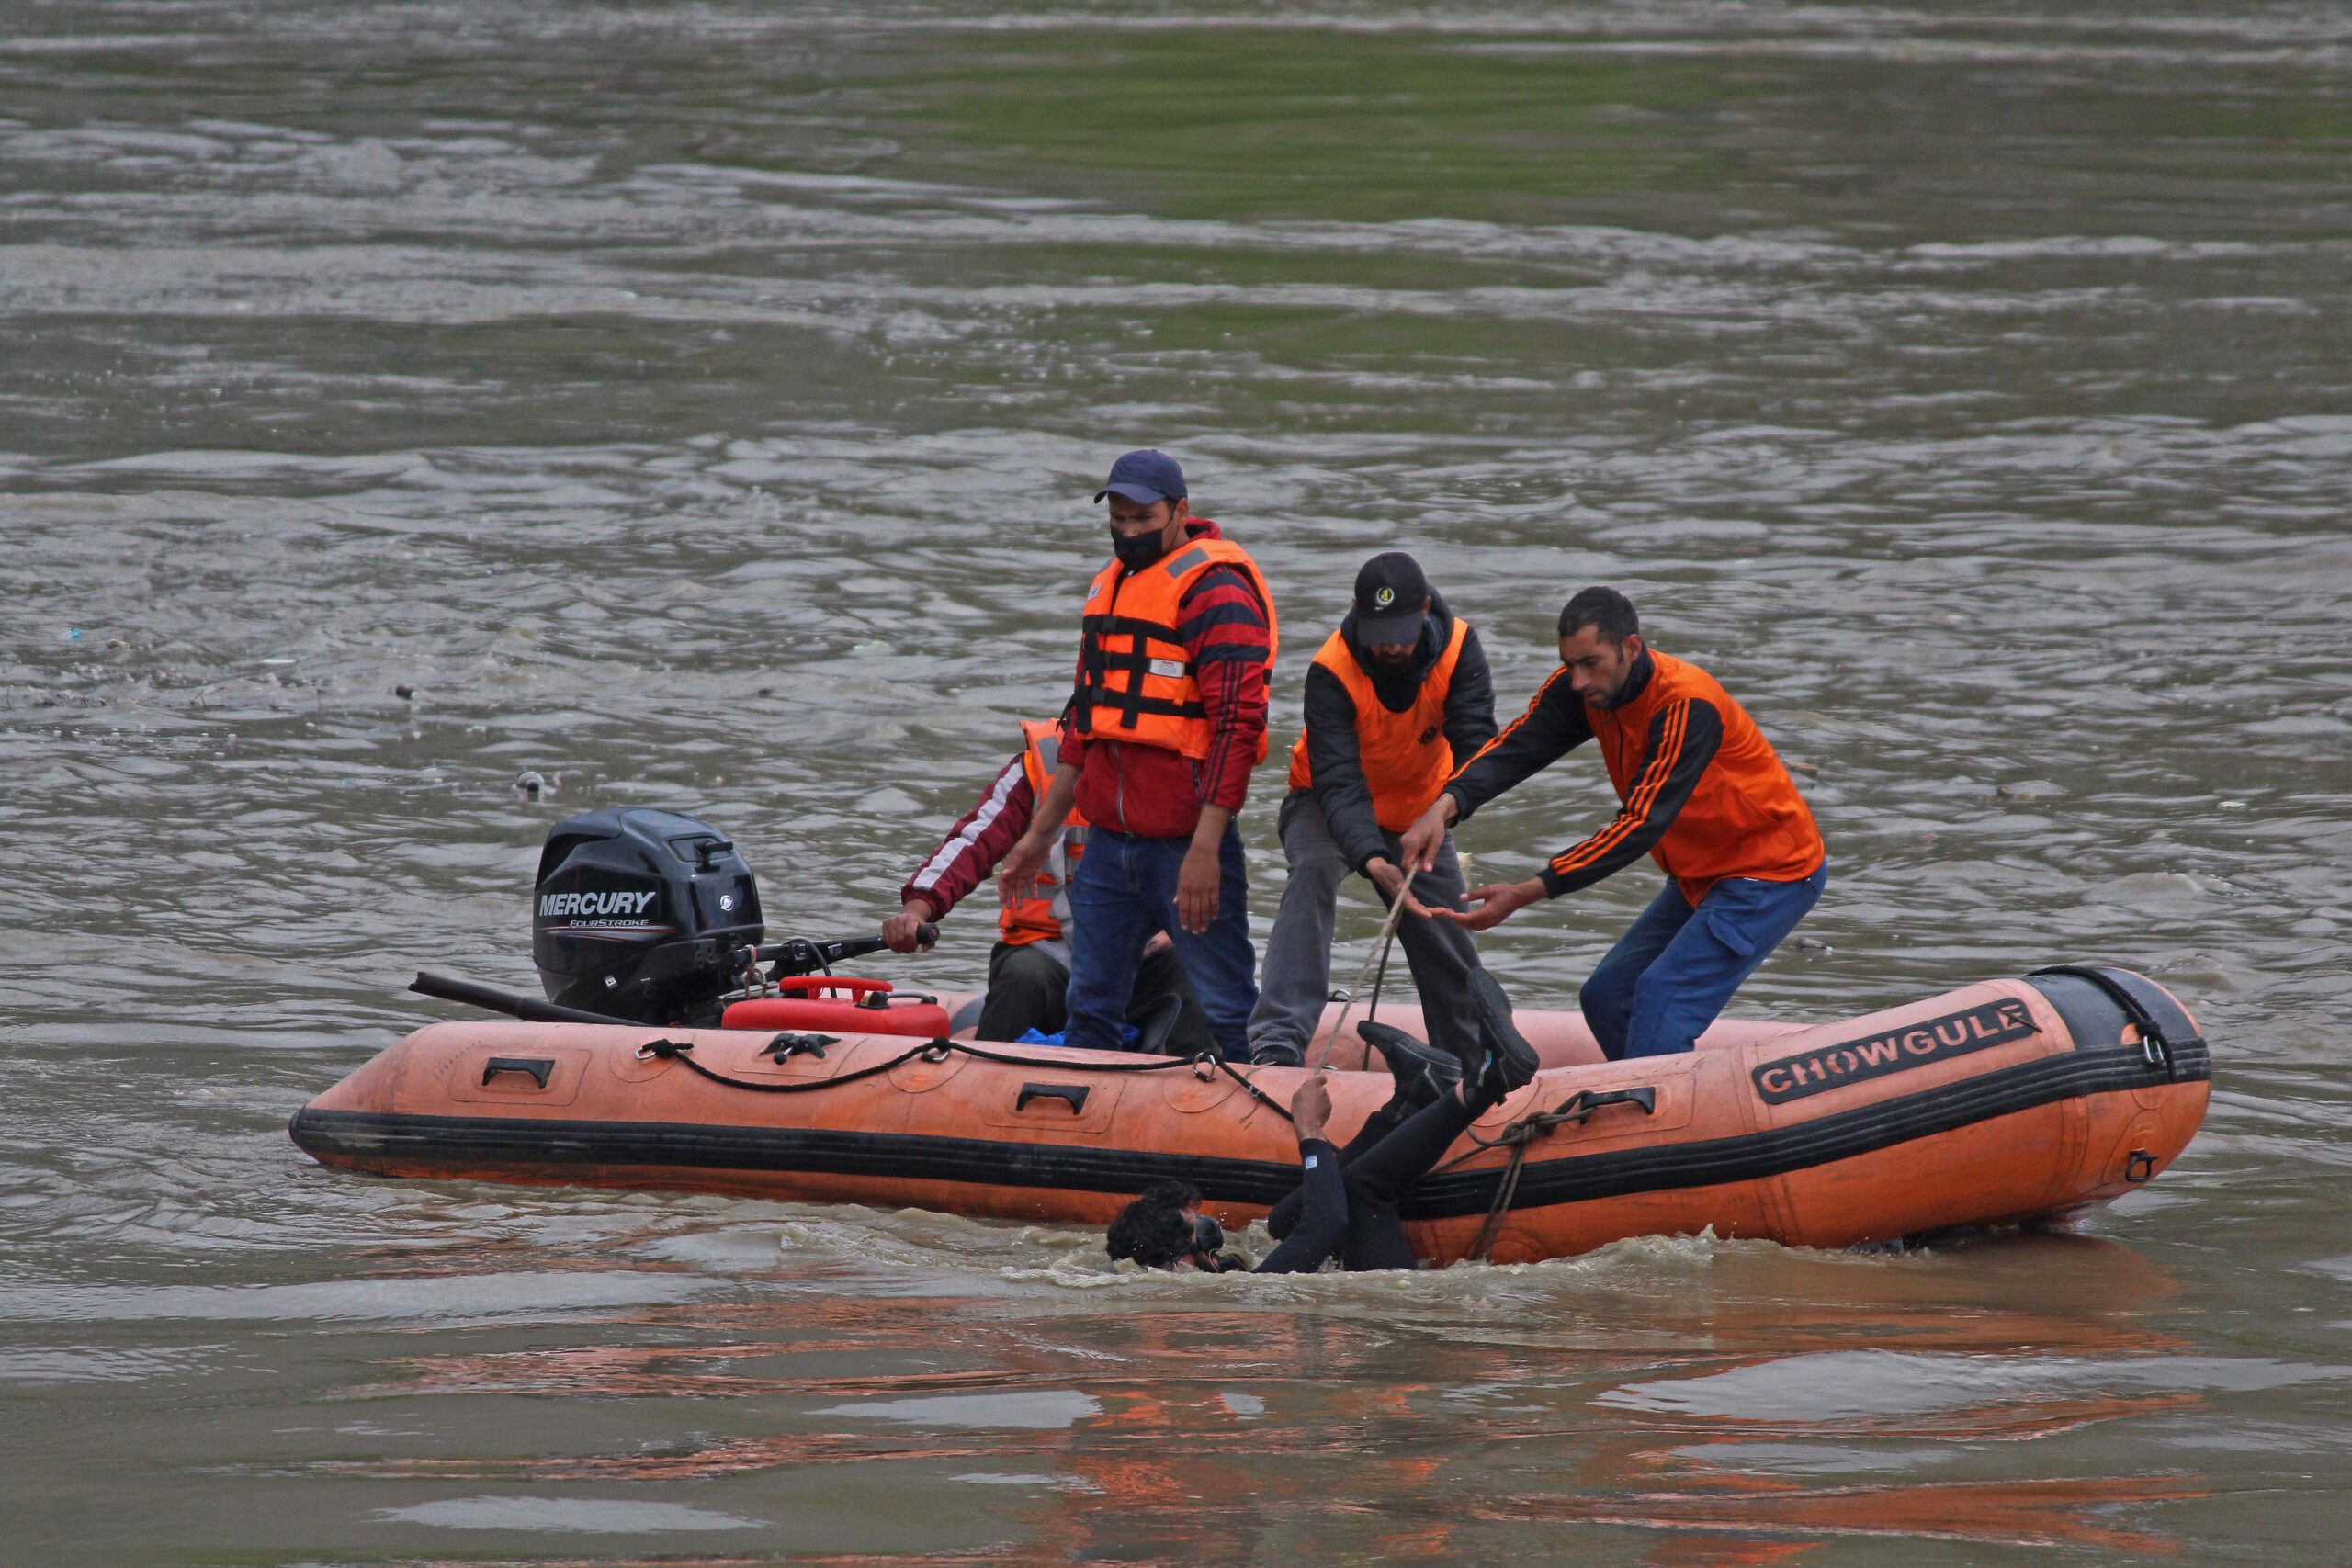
x,y
1040,916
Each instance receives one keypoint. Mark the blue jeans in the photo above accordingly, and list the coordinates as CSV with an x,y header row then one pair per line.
x,y
1668,978
1124,890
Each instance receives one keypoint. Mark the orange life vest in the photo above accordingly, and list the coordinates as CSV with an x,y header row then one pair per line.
x,y
1744,819
1407,758
1040,916
1136,680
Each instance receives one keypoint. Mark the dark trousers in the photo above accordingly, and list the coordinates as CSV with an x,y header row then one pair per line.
x,y
1381,1164
1122,892
1296,980
1029,988
1668,976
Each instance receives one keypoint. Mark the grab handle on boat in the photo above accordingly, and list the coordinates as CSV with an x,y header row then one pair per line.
x,y
538,1067
1645,1097
1576,1108
1073,1092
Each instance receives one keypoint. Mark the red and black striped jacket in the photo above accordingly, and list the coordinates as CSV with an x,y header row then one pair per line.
x,y
1156,793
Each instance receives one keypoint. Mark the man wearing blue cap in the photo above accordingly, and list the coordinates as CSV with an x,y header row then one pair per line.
x,y
1166,719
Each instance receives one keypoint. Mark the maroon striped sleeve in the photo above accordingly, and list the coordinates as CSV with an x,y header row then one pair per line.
x,y
1223,626
1233,692
979,840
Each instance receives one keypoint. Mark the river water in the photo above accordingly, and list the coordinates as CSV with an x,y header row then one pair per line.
x,y
697,405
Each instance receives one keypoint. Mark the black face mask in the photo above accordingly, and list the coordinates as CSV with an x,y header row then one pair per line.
x,y
1137,549
1208,1237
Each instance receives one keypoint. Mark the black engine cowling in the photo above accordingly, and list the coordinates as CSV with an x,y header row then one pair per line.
x,y
642,915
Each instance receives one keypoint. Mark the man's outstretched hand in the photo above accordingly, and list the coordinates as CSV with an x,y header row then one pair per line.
x,y
1497,902
1391,878
1310,1108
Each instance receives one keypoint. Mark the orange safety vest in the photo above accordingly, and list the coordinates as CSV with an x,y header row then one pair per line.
x,y
1041,917
1744,819
1407,758
1136,680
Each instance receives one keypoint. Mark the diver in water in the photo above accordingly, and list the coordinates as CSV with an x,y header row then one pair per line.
x,y
1346,1206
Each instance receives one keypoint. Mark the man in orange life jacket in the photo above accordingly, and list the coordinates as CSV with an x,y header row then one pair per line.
x,y
1029,966
1399,691
1167,719
1702,793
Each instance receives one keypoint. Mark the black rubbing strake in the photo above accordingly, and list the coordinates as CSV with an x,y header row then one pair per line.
x,y
500,1141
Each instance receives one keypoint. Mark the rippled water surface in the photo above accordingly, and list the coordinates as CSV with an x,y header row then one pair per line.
x,y
697,404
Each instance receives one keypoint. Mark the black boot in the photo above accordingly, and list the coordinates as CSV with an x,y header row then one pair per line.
x,y
1511,1061
1158,1023
1423,1072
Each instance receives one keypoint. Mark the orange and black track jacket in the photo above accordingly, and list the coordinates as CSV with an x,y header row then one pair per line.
x,y
1703,793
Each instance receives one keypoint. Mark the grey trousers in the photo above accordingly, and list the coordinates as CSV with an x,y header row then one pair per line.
x,y
1296,978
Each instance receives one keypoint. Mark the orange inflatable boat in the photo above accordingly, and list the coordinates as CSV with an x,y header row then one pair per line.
x,y
2002,1103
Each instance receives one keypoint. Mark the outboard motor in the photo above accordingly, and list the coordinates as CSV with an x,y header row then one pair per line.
x,y
642,915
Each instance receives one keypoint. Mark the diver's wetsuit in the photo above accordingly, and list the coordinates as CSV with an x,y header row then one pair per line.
x,y
1350,1209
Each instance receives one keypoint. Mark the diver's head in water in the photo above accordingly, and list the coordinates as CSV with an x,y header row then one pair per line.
x,y
1165,1229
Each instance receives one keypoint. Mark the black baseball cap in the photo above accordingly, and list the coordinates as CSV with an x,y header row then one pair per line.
x,y
1390,591
1144,478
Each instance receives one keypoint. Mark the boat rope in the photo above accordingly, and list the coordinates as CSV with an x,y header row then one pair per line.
x,y
939,1049
1379,980
1387,935
1516,1138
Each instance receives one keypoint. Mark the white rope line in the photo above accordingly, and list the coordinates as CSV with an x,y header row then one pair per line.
x,y
1387,935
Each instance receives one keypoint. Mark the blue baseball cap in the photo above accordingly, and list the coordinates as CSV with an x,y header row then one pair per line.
x,y
1144,478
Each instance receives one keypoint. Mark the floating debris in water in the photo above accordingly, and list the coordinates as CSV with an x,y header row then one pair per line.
x,y
404,692
530,784
1813,944
73,634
